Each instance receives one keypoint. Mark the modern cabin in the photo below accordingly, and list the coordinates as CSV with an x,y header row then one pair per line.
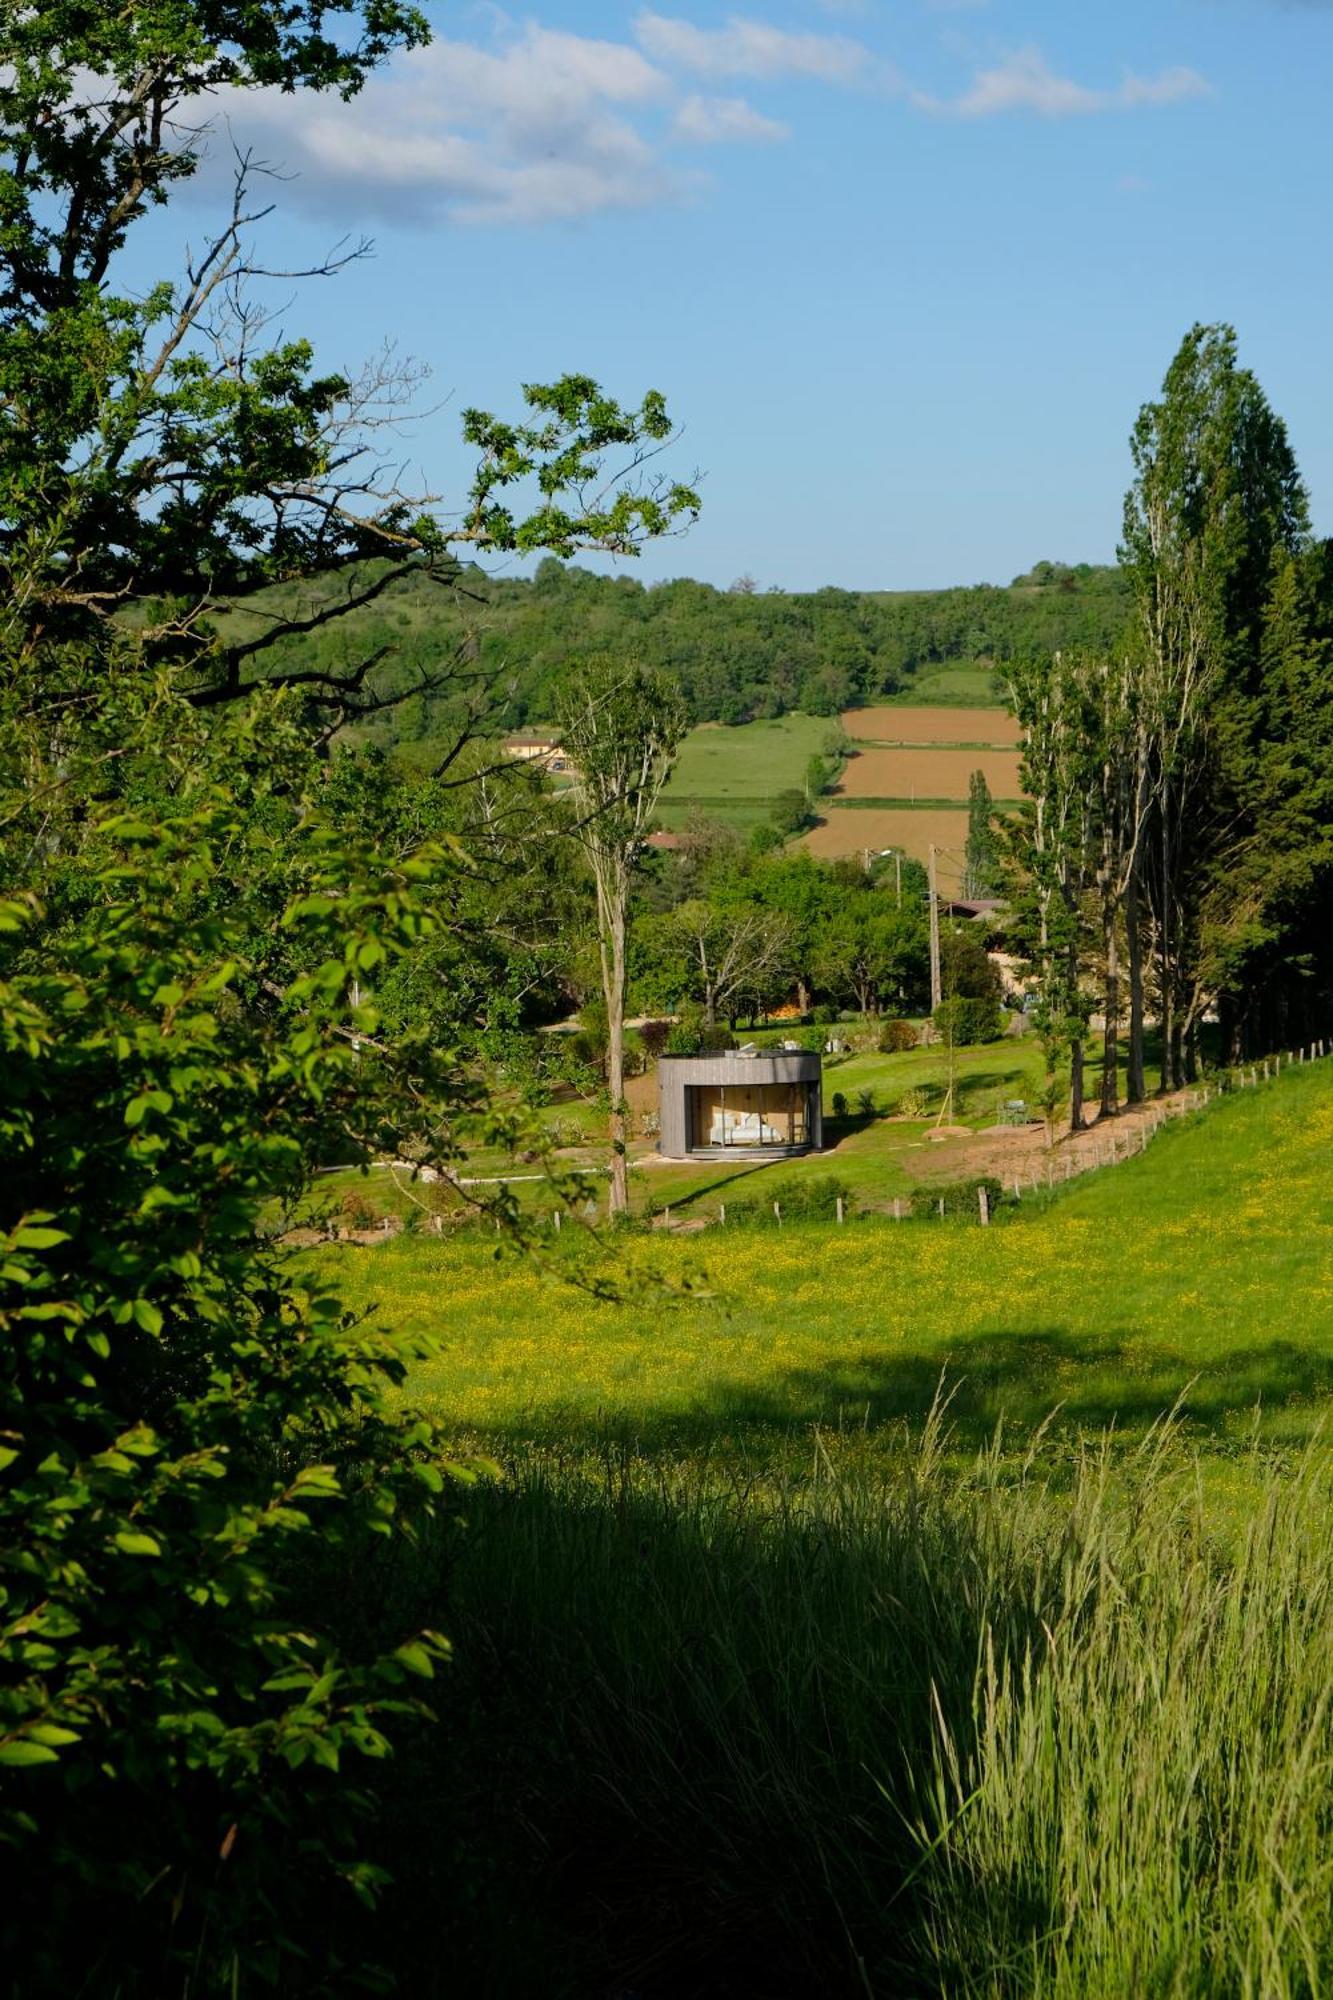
x,y
741,1105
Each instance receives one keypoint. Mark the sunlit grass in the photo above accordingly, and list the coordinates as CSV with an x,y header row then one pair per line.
x,y
1201,1269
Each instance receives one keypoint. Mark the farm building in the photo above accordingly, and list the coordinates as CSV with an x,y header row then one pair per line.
x,y
531,747
741,1105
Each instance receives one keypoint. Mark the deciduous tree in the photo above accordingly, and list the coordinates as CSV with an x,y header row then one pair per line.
x,y
620,724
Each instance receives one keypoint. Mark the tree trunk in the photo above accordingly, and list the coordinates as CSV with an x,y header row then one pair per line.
x,y
1076,1119
1111,1018
1136,1082
613,992
802,994
1168,1011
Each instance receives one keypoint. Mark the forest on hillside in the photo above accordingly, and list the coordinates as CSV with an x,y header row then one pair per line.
x,y
737,655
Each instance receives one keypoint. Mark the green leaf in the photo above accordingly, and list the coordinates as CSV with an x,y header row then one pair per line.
x,y
21,1751
29,1237
147,1316
51,1733
416,1658
131,1542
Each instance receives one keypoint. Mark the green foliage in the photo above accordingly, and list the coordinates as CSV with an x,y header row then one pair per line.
x,y
896,1036
981,863
957,1198
811,1198
789,813
1071,1735
737,658
963,1020
181,1415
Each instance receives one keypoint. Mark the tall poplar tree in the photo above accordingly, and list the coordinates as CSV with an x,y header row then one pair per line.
x,y
1216,499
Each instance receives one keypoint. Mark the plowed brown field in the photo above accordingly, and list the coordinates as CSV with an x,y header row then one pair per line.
x,y
928,774
853,831
931,725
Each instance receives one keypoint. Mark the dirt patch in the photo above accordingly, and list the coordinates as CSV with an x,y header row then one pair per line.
x,y
852,831
1008,1153
931,725
923,773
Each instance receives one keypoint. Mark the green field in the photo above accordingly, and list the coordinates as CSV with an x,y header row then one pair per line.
x,y
735,774
949,687
845,1620
1201,1268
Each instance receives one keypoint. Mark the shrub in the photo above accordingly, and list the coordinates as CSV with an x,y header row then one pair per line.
x,y
914,1103
897,1036
826,1015
839,1104
867,1104
655,1036
964,1021
359,1211
959,1197
801,1199
179,1411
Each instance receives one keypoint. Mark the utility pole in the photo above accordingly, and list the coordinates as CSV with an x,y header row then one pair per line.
x,y
898,874
935,992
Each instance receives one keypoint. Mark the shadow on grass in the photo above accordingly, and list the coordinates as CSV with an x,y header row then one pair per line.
x,y
995,1378
682,1735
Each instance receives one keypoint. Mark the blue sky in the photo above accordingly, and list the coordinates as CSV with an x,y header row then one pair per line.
x,y
904,271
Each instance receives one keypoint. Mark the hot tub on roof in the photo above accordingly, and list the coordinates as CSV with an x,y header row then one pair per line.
x,y
741,1105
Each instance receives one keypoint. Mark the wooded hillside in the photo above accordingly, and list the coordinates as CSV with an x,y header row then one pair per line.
x,y
739,654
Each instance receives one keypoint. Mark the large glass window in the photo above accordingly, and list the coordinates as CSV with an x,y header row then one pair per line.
x,y
755,1114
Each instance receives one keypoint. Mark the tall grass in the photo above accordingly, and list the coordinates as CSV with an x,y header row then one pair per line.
x,y
882,1730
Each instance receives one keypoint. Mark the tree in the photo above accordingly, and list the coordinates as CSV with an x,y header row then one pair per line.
x,y
188,1027
161,455
873,954
1216,500
184,1422
737,950
980,866
1052,848
621,724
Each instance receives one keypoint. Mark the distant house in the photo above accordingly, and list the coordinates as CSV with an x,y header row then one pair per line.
x,y
531,746
662,842
974,907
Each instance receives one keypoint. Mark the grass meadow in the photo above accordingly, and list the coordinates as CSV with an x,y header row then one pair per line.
x,y
896,1609
735,773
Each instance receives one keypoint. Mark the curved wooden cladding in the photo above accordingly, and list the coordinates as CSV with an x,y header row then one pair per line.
x,y
770,1102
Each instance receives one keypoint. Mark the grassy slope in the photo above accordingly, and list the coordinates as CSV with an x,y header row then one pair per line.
x,y
1201,1268
736,773
741,1709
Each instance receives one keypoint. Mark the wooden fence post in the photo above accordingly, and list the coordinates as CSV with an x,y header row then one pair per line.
x,y
983,1203
722,1213
777,1213
839,1208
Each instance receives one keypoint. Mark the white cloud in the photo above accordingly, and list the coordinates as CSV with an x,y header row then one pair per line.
x,y
537,124
753,48
707,121
539,127
1024,81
